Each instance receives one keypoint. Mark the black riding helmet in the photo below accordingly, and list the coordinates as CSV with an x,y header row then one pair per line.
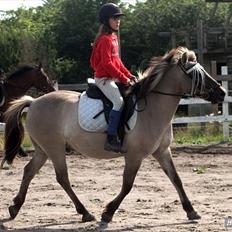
x,y
107,11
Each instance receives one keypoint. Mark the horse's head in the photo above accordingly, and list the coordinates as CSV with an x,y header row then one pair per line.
x,y
42,82
202,84
178,73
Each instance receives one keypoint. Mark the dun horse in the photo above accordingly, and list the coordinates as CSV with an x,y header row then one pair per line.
x,y
18,83
158,93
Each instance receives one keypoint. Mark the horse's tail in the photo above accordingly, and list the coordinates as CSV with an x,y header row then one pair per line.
x,y
14,130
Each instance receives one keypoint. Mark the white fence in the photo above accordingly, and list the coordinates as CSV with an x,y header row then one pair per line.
x,y
223,118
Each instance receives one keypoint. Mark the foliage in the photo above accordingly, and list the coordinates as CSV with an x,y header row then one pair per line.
x,y
9,45
60,33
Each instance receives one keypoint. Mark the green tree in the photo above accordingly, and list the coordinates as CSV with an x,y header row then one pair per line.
x,y
60,33
140,31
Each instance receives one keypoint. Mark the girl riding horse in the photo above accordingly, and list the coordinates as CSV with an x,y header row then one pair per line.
x,y
109,69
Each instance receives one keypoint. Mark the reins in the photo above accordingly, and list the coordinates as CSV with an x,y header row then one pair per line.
x,y
169,94
196,73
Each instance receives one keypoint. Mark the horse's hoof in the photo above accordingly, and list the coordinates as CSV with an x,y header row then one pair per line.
x,y
88,218
23,155
106,217
13,211
193,216
6,165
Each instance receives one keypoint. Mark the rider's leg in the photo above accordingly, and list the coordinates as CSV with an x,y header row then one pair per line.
x,y
111,91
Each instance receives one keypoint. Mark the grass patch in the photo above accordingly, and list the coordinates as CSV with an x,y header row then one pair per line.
x,y
27,144
199,133
200,170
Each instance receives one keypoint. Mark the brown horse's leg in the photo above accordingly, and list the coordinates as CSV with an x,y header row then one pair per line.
x,y
130,171
30,170
166,162
22,153
60,166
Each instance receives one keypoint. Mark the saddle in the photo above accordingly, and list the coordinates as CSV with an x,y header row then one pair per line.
x,y
95,93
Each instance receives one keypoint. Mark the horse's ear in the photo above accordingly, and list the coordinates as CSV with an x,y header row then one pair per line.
x,y
184,58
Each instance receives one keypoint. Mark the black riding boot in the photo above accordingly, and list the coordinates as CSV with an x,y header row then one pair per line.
x,y
112,142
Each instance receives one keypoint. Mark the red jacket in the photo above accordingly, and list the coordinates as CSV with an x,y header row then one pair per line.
x,y
105,59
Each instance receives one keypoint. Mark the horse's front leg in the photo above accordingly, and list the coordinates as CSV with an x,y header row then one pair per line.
x,y
165,160
130,171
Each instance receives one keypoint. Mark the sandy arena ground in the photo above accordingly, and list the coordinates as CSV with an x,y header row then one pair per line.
x,y
152,205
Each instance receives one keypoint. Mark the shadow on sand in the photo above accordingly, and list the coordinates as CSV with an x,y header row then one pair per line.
x,y
97,227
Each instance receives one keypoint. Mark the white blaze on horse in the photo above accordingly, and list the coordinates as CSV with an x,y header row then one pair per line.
x,y
52,122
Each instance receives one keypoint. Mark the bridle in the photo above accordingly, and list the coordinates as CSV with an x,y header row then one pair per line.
x,y
197,75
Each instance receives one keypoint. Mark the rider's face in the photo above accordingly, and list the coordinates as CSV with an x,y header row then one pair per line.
x,y
114,23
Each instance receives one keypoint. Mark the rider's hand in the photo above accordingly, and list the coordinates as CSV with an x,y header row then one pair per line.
x,y
133,80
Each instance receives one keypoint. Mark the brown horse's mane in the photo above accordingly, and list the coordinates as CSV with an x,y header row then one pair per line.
x,y
158,67
20,71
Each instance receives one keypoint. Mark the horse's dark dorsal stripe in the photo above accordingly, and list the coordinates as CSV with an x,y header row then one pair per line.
x,y
21,70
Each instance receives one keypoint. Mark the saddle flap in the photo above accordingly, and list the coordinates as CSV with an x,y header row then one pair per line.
x,y
91,117
88,109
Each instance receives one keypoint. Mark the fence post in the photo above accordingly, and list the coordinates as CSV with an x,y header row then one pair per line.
x,y
225,106
200,39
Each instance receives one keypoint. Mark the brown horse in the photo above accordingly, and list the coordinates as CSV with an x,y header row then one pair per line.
x,y
18,83
158,94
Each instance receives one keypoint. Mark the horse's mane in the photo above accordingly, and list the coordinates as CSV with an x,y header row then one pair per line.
x,y
158,67
19,71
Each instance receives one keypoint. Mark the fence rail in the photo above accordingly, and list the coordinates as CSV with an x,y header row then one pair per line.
x,y
224,118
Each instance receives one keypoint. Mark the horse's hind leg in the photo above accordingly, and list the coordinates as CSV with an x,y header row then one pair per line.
x,y
30,170
60,166
22,153
165,160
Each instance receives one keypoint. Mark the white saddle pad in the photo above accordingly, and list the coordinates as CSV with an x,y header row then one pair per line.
x,y
89,108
